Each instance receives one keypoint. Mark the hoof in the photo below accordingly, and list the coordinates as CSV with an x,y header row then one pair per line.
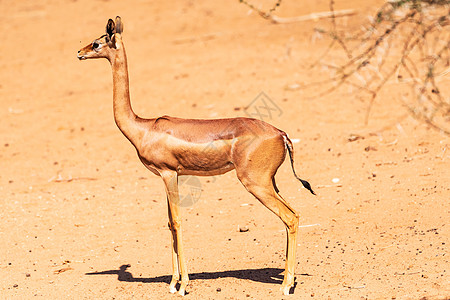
x,y
285,290
181,292
172,290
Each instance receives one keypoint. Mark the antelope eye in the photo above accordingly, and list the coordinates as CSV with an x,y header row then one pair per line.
x,y
95,45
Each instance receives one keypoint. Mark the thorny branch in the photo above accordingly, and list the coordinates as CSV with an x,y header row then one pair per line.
x,y
407,44
265,15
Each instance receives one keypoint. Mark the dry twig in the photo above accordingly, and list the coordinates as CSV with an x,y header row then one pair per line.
x,y
313,16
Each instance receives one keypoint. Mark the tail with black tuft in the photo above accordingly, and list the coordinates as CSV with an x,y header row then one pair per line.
x,y
290,149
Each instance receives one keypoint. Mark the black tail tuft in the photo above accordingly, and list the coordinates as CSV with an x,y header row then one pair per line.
x,y
291,156
306,185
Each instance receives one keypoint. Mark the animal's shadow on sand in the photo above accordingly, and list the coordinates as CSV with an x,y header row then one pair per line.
x,y
263,275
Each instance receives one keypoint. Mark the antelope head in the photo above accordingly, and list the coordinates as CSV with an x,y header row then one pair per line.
x,y
106,45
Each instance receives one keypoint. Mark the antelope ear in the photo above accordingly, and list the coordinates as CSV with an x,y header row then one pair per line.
x,y
110,28
119,25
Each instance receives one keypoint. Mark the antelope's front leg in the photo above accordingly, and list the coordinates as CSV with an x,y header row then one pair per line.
x,y
175,269
178,261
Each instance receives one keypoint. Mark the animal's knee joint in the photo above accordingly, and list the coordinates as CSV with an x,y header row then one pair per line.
x,y
176,224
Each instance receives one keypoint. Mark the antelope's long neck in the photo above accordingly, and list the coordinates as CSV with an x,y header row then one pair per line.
x,y
124,116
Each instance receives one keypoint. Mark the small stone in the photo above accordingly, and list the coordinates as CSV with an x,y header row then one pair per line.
x,y
218,289
370,148
354,137
243,229
292,87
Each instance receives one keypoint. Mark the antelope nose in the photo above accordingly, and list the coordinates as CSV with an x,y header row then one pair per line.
x,y
80,57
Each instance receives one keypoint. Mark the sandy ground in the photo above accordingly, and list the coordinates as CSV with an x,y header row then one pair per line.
x,y
80,217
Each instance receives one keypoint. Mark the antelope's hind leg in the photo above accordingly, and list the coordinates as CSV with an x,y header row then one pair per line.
x,y
256,166
268,196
